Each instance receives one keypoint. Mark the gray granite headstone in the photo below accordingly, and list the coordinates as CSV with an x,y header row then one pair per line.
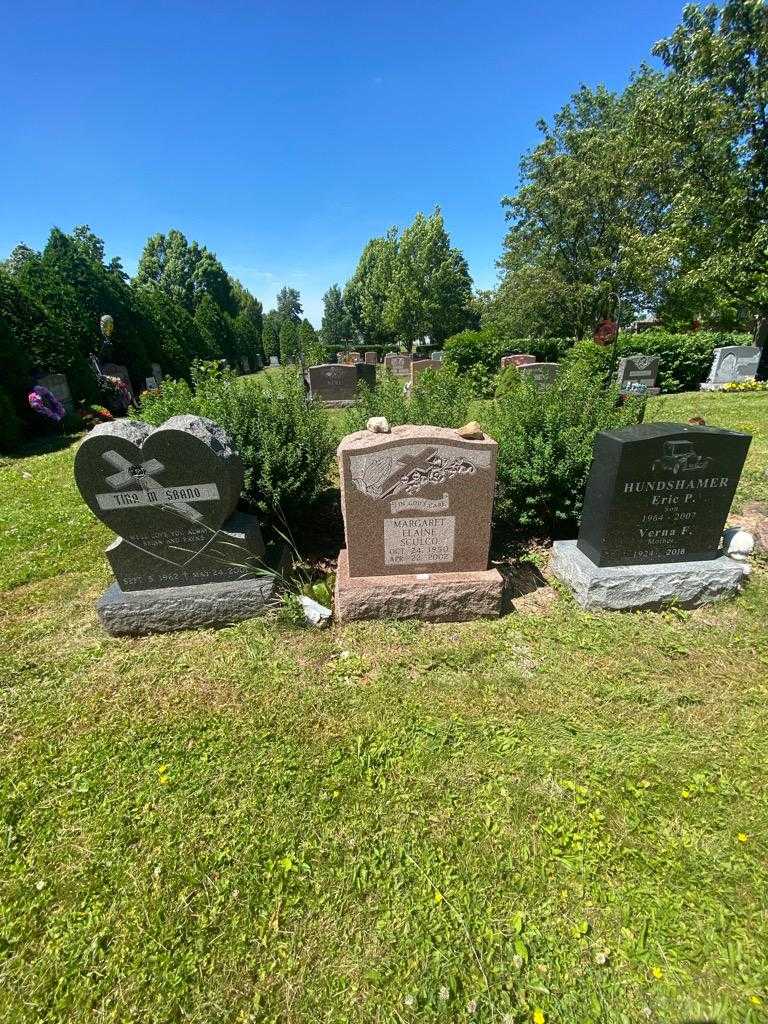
x,y
399,363
274,361
170,494
732,363
542,374
157,373
371,357
58,385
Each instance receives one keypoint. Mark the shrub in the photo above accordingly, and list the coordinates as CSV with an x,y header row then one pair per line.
x,y
284,439
545,446
440,398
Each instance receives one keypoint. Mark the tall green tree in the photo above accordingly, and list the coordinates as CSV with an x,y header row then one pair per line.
x,y
430,292
270,334
715,124
366,292
290,342
186,272
215,326
311,347
336,329
588,220
289,304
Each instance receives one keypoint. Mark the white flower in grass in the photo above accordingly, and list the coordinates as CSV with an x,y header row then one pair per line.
x,y
471,1006
517,962
409,1000
444,993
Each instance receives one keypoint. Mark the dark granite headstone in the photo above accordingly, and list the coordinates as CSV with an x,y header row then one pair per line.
x,y
334,382
366,373
170,495
638,373
660,492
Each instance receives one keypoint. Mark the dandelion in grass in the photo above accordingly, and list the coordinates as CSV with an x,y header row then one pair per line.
x,y
538,1016
685,794
756,1000
742,837
657,972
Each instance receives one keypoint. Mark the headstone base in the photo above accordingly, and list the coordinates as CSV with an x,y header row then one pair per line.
x,y
433,597
135,612
341,403
628,587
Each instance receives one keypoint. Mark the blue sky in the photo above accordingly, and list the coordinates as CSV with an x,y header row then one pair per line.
x,y
285,136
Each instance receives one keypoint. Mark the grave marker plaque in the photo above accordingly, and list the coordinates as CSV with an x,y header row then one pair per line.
x,y
399,363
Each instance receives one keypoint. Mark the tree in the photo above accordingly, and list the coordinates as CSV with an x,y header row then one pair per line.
x,y
216,329
365,294
715,123
270,334
289,304
588,220
186,272
290,342
310,346
336,329
430,292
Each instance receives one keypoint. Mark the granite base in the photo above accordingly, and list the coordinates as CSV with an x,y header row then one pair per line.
x,y
135,612
433,597
628,587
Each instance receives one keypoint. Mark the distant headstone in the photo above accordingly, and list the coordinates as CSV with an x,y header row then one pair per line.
x,y
354,357
517,359
274,361
157,373
638,373
418,366
335,384
417,516
246,366
150,383
58,385
183,555
119,371
732,363
371,357
542,374
399,363
654,510
366,373
438,355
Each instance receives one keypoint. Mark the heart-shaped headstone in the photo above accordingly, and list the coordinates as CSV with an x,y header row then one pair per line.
x,y
170,495
138,480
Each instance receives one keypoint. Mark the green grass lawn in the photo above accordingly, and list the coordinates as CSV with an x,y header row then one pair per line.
x,y
554,817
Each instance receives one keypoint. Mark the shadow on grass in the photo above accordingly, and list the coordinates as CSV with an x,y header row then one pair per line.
x,y
44,445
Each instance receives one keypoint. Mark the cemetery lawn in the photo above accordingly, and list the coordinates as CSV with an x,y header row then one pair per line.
x,y
555,817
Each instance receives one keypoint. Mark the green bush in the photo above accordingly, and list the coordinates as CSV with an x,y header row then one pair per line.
x,y
684,359
10,425
284,439
440,398
545,442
